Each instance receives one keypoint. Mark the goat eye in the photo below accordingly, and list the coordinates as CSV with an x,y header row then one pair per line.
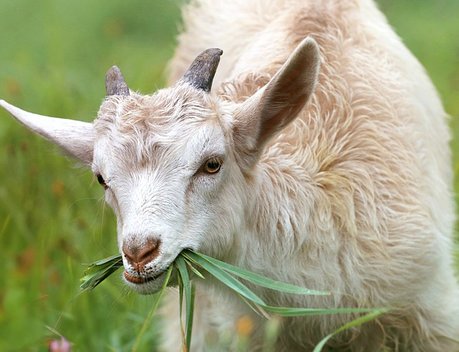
x,y
212,166
101,181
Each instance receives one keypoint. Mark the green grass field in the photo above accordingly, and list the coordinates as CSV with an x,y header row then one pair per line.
x,y
53,57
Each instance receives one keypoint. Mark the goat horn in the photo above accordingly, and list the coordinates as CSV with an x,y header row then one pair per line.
x,y
202,71
114,82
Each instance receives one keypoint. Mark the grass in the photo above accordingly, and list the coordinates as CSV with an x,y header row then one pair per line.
x,y
53,58
190,263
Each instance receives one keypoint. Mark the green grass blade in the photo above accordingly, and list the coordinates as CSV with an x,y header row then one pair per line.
x,y
99,271
113,260
189,297
224,277
356,322
297,312
190,313
194,270
226,274
260,280
5,225
256,308
180,286
151,313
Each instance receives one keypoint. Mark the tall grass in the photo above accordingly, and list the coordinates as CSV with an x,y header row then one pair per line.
x,y
53,56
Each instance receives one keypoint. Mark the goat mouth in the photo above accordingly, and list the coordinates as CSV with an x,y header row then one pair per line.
x,y
138,280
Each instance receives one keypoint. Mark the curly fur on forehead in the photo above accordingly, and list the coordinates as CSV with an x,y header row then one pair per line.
x,y
165,107
138,124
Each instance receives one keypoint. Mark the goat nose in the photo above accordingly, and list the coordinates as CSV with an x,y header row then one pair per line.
x,y
139,255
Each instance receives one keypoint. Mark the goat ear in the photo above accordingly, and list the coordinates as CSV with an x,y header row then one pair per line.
x,y
278,103
74,137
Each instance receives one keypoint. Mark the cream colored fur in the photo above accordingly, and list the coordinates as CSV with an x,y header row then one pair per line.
x,y
355,195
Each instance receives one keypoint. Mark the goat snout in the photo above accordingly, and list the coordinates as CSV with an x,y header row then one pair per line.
x,y
140,254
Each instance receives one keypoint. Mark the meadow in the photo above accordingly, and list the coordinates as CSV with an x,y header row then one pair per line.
x,y
53,57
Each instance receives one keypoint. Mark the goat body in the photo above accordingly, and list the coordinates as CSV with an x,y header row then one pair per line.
x,y
335,178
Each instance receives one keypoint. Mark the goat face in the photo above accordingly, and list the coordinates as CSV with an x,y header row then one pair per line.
x,y
175,164
170,175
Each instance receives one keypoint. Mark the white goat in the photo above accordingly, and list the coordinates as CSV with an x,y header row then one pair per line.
x,y
338,180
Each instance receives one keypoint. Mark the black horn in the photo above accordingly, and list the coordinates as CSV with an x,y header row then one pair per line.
x,y
202,71
114,82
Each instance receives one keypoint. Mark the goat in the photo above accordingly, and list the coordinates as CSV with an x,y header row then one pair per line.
x,y
320,159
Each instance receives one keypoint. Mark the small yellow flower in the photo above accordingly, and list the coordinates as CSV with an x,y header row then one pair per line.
x,y
244,326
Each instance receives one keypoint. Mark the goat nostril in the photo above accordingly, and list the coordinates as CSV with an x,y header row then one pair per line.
x,y
140,255
149,252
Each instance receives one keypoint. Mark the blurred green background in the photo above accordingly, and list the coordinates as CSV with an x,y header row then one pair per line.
x,y
53,57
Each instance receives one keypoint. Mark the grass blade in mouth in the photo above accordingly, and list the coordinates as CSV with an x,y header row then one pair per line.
x,y
254,278
98,271
224,277
186,288
298,312
147,321
228,275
